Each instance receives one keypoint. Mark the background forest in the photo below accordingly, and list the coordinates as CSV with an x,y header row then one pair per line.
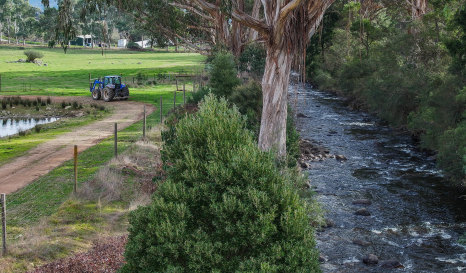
x,y
406,65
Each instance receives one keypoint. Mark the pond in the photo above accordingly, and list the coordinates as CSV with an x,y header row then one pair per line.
x,y
12,126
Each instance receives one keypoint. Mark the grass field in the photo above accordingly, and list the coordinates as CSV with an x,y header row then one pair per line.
x,y
68,74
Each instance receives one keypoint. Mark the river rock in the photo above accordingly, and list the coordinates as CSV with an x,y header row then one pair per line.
x,y
301,115
361,242
363,212
370,259
67,107
329,223
365,202
322,258
340,158
304,165
391,264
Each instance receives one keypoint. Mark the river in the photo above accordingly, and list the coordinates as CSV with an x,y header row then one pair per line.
x,y
415,219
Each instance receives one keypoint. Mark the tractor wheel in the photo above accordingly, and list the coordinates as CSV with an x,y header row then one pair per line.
x,y
125,91
108,94
96,94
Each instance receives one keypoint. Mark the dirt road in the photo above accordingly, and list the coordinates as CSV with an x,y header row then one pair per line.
x,y
49,155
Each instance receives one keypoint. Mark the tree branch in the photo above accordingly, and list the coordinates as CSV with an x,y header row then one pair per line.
x,y
237,15
292,5
192,9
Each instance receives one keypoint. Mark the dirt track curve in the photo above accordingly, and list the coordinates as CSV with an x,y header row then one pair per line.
x,y
46,156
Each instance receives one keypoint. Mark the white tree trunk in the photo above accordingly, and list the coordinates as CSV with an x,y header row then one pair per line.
x,y
274,110
418,9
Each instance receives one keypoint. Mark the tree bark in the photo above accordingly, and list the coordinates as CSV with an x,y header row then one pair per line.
x,y
237,33
253,34
274,96
419,8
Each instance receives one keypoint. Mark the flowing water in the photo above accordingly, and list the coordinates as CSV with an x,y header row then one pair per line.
x,y
415,219
10,126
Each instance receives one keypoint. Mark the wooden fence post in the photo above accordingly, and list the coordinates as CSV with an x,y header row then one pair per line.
x,y
89,77
75,168
115,138
144,124
184,93
3,201
176,84
174,101
161,109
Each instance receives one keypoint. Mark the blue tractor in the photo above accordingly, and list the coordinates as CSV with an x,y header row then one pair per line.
x,y
108,89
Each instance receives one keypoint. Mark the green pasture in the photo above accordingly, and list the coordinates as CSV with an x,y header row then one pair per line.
x,y
68,74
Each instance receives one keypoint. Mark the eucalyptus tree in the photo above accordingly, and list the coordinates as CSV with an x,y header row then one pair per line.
x,y
47,24
26,20
285,30
7,13
65,29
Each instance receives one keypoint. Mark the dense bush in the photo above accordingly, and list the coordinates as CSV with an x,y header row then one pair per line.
x,y
197,96
224,207
32,55
133,45
223,75
252,60
248,98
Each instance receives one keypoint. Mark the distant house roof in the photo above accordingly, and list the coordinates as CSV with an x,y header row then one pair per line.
x,y
84,36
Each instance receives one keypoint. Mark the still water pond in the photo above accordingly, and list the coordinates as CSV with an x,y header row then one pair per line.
x,y
10,126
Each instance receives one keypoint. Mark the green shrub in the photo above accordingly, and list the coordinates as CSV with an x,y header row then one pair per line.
x,y
225,207
38,128
199,95
223,76
32,55
248,98
452,152
252,60
292,141
133,45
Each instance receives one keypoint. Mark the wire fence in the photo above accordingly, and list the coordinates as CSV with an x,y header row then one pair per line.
x,y
44,195
54,84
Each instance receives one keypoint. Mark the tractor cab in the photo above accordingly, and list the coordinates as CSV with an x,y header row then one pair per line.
x,y
112,80
111,87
